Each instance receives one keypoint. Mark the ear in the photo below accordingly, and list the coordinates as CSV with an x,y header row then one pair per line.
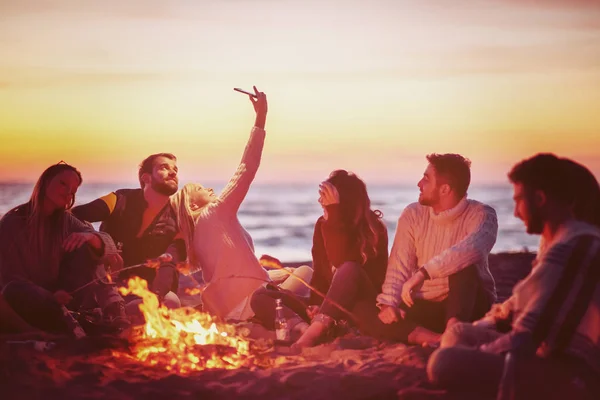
x,y
146,178
539,198
445,189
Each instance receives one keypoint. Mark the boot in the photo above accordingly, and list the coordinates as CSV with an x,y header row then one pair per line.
x,y
115,316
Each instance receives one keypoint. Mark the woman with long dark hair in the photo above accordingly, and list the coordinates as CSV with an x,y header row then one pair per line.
x,y
349,261
45,253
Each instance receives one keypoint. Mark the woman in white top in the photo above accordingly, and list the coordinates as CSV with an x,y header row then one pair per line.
x,y
215,239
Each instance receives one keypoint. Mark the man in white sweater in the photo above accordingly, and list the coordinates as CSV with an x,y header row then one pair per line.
x,y
438,268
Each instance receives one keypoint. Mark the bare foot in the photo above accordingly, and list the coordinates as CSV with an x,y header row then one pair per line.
x,y
451,321
311,335
421,335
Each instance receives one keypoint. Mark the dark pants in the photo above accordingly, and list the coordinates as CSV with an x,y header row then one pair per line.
x,y
37,306
466,301
460,367
165,281
349,287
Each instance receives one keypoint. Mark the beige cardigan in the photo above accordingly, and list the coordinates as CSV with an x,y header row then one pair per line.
x,y
224,249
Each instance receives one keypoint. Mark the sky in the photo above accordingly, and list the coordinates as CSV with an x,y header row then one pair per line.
x,y
370,86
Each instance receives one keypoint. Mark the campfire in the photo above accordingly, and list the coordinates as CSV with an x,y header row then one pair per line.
x,y
184,340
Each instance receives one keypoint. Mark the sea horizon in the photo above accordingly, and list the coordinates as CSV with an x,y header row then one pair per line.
x,y
281,217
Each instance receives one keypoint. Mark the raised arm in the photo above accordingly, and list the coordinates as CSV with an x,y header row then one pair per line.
x,y
234,193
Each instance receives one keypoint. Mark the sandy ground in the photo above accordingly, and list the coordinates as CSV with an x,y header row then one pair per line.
x,y
351,367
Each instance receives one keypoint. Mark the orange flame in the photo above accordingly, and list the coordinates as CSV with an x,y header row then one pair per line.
x,y
193,291
184,268
183,340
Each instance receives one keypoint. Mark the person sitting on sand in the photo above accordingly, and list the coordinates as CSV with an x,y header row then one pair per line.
x,y
216,241
46,253
350,251
11,322
438,270
144,225
553,312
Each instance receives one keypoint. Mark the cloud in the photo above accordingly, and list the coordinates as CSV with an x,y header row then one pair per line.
x,y
553,4
143,9
38,78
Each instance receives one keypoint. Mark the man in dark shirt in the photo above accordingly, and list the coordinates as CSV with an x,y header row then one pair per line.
x,y
143,223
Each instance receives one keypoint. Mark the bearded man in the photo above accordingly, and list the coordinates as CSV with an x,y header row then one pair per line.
x,y
438,270
144,225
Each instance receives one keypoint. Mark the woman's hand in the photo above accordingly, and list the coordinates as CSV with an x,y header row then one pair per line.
x,y
63,298
390,314
260,107
114,262
311,311
78,239
328,194
498,312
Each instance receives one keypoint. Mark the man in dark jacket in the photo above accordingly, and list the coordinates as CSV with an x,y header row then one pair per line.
x,y
144,225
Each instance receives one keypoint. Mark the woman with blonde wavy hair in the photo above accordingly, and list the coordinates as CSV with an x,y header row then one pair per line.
x,y
349,260
216,241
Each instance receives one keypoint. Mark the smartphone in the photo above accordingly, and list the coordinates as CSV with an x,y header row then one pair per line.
x,y
245,92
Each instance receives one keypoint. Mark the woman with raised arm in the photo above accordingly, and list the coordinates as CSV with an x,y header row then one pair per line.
x,y
46,254
215,239
349,259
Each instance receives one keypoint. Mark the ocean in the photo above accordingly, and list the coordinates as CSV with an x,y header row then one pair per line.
x,y
281,217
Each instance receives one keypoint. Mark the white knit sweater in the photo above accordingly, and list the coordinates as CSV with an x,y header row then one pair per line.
x,y
444,244
224,248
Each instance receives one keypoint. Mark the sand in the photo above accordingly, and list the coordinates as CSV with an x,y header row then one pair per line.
x,y
351,367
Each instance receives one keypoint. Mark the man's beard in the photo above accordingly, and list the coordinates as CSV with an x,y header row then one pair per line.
x,y
166,188
429,201
535,223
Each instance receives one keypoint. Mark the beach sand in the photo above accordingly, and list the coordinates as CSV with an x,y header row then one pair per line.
x,y
351,367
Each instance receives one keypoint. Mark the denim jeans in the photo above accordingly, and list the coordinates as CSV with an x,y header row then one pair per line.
x,y
466,301
37,306
349,287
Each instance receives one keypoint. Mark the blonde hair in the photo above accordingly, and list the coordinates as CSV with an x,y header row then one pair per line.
x,y
186,219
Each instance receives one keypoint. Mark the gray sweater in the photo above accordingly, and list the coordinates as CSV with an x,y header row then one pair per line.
x,y
19,262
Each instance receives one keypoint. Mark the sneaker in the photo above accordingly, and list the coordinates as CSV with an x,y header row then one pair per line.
x,y
114,314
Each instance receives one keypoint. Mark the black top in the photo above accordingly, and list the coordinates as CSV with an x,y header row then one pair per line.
x,y
123,223
336,242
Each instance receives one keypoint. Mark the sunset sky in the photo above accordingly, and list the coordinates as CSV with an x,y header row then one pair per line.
x,y
370,86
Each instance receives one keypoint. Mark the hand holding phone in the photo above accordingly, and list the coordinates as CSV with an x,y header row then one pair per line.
x,y
245,92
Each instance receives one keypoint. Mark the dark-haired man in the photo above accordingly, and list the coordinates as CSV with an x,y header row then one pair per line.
x,y
553,313
438,270
143,222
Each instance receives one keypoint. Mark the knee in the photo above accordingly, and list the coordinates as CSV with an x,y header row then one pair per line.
x,y
84,253
14,291
171,301
453,335
258,298
167,270
349,269
468,273
440,362
305,272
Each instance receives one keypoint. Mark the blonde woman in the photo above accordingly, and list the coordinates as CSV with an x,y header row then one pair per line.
x,y
215,239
